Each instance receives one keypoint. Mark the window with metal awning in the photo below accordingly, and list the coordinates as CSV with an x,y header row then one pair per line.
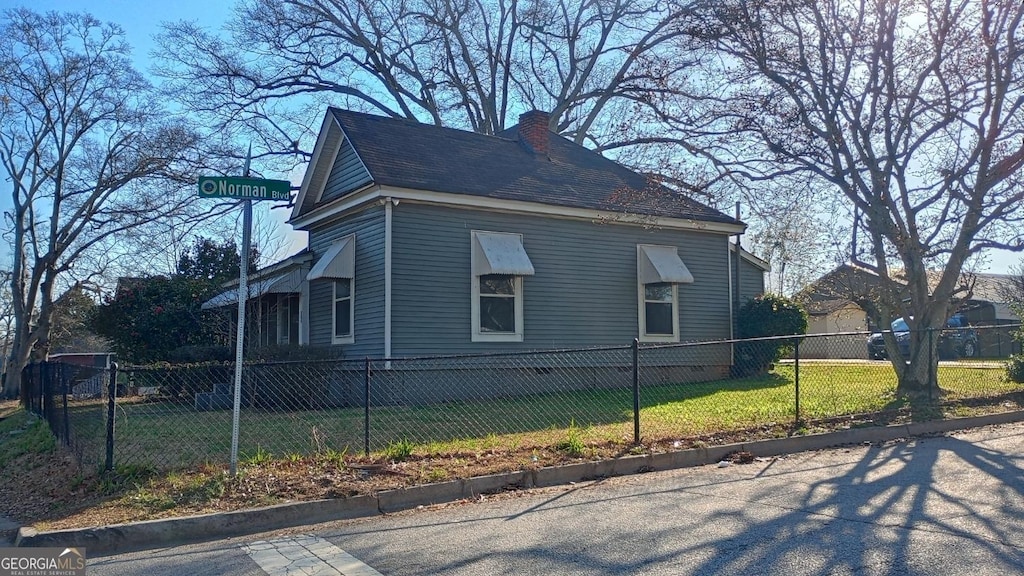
x,y
338,261
499,261
660,271
500,253
661,264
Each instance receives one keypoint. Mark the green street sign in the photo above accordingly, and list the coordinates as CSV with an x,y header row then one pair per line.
x,y
244,188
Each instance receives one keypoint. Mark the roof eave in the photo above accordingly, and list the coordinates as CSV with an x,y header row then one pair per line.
x,y
295,260
328,144
373,193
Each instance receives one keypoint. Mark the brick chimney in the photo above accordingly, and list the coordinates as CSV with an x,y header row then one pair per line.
x,y
533,131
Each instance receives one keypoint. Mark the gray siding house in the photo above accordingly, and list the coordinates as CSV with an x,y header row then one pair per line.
x,y
426,240
430,240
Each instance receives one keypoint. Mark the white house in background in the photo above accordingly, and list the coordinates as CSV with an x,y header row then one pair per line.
x,y
830,309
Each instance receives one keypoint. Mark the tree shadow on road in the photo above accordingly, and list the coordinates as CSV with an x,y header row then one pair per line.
x,y
885,514
937,505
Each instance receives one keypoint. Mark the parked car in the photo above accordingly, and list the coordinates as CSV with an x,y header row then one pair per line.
x,y
956,340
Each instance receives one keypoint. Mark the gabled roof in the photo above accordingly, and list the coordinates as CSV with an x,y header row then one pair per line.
x,y
986,287
281,277
753,260
836,289
405,154
999,290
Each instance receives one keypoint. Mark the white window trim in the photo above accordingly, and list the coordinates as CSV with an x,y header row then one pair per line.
x,y
517,283
517,336
351,338
643,336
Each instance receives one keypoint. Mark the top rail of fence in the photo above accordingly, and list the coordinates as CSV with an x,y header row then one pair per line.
x,y
542,351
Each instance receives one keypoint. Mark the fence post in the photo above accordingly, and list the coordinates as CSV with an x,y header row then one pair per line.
x,y
64,394
796,378
45,403
932,378
366,408
636,391
111,406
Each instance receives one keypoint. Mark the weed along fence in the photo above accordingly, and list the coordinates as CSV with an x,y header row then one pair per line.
x,y
172,417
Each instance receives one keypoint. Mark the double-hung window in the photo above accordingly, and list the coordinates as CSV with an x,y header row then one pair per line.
x,y
344,304
338,264
499,262
659,273
500,296
661,301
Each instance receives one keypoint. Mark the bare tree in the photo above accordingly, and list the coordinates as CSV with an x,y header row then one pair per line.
x,y
90,155
1012,291
798,242
910,111
471,64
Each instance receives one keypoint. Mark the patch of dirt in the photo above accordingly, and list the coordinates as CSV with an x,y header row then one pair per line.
x,y
42,494
51,491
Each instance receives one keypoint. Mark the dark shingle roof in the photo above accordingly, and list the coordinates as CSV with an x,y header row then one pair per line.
x,y
408,154
837,289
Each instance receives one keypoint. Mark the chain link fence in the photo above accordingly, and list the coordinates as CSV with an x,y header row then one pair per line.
x,y
179,416
75,401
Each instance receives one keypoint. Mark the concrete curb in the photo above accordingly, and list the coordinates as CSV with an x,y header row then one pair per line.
x,y
120,538
8,532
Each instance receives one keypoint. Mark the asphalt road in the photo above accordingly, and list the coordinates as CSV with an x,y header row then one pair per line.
x,y
948,505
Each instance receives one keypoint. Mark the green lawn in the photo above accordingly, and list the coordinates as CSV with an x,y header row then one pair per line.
x,y
169,434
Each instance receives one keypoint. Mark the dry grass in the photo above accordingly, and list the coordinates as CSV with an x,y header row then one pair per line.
x,y
43,486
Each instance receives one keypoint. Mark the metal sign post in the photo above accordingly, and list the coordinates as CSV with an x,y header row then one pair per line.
x,y
247,189
243,293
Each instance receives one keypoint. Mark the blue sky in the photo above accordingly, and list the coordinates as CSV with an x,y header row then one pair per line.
x,y
141,19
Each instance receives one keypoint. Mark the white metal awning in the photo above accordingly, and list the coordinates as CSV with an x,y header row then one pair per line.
x,y
338,261
284,283
500,253
662,264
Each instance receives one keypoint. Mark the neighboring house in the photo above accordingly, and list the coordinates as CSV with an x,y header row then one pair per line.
x,y
988,306
426,240
84,374
830,308
988,303
274,296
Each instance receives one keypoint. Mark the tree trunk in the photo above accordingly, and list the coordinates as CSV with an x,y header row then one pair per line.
x,y
18,360
25,347
916,375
